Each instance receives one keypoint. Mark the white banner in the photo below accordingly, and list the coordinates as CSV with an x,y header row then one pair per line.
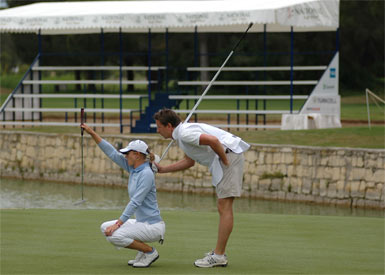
x,y
309,14
181,16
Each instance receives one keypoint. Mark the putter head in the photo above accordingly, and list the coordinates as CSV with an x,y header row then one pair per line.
x,y
153,166
80,202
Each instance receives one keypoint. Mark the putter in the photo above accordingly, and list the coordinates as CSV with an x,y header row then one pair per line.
x,y
208,87
82,137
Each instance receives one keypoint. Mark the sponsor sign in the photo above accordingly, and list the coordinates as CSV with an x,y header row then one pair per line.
x,y
325,99
326,105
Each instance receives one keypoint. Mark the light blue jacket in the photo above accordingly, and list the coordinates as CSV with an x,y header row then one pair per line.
x,y
141,188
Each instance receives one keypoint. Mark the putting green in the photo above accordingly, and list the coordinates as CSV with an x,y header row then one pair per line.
x,y
69,242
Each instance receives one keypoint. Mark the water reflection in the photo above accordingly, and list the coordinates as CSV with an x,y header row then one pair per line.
x,y
35,194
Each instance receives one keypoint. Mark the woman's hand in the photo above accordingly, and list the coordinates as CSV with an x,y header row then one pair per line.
x,y
111,229
87,128
92,133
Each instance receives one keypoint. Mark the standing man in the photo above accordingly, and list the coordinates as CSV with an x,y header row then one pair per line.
x,y
219,150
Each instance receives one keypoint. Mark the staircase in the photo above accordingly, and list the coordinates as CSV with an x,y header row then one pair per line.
x,y
143,125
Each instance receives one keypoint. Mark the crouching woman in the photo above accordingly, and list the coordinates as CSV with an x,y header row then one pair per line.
x,y
148,226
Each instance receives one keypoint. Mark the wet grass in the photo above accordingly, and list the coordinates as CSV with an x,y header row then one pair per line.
x,y
70,242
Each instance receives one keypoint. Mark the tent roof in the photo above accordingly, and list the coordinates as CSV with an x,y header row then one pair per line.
x,y
177,16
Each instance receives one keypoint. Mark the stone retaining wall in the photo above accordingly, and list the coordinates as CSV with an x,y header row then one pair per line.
x,y
352,177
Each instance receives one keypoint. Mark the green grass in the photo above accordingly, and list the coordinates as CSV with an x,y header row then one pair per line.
x,y
358,137
67,130
232,104
89,103
10,81
352,108
70,242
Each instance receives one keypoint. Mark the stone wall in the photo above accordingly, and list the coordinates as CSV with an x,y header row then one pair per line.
x,y
351,177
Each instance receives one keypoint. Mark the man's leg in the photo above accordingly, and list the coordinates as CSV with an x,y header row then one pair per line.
x,y
225,209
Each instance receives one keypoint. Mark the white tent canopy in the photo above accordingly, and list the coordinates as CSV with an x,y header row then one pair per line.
x,y
177,16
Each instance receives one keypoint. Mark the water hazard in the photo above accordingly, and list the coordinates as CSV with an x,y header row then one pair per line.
x,y
35,194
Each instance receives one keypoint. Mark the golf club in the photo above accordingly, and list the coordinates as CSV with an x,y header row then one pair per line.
x,y
82,138
208,87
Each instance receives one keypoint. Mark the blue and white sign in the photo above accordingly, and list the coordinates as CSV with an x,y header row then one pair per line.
x,y
325,99
332,72
328,83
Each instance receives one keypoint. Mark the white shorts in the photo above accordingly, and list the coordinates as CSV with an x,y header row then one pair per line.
x,y
132,230
231,183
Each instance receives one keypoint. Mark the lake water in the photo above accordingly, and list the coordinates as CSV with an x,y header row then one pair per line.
x,y
21,194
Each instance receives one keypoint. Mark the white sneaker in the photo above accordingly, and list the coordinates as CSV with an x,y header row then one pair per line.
x,y
147,259
210,260
137,258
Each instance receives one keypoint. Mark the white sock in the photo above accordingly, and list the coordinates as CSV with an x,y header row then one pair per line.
x,y
218,256
152,251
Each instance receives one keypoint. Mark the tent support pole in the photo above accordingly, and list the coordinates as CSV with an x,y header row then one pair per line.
x,y
39,63
120,80
264,64
338,40
149,54
196,58
291,67
167,53
196,53
102,72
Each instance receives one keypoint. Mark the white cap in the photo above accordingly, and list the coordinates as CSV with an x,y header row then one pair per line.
x,y
135,145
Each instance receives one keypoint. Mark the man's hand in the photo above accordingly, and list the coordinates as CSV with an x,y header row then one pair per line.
x,y
217,147
183,164
160,168
225,161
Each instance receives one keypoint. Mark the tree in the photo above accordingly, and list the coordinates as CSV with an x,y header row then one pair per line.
x,y
362,44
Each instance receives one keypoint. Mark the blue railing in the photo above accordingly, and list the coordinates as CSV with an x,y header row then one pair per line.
x,y
10,97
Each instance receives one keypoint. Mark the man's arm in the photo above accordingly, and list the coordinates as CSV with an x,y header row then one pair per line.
x,y
217,147
183,164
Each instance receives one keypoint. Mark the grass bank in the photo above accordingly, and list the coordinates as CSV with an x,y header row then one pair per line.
x,y
70,242
354,137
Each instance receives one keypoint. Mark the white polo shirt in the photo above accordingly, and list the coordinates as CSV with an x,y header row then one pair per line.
x,y
187,136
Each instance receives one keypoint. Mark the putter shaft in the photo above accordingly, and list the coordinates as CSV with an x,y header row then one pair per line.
x,y
208,87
